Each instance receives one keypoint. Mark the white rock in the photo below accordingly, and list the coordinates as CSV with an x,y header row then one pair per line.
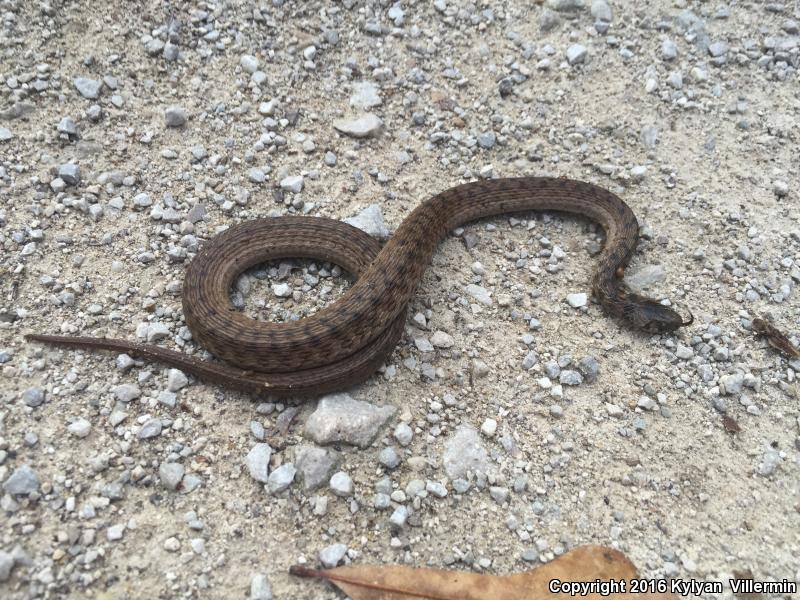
x,y
176,380
292,184
577,300
576,54
249,63
258,462
281,290
479,293
368,125
331,555
157,331
489,427
80,428
341,484
341,418
281,478
370,220
440,339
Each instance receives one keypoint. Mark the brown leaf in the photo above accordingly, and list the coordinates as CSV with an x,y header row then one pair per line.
x,y
730,425
584,564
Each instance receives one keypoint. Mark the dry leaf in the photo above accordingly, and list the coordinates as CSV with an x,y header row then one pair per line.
x,y
584,564
730,425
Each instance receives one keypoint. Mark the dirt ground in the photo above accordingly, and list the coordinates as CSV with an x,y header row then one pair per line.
x,y
130,133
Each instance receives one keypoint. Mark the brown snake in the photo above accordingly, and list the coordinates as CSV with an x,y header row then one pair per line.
x,y
345,342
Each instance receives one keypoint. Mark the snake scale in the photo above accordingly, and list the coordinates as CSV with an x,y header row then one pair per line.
x,y
345,342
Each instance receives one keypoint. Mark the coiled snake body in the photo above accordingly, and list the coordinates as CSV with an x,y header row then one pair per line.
x,y
348,340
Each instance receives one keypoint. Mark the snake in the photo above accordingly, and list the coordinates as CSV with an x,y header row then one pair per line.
x,y
345,342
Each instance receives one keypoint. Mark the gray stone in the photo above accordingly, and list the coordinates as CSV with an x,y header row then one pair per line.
x,y
293,183
70,173
256,175
479,293
260,589
675,79
388,458
499,494
258,462
645,276
170,474
340,418
150,429
647,403
381,501
731,384
399,517
435,488
370,221
669,51
196,213
330,556
33,397
281,478
403,434
190,483
5,134
80,428
423,344
157,331
314,465
487,140
175,116
88,88
142,200
589,367
115,532
718,49
601,10
569,377
464,454
576,54
549,20
169,399
176,380
368,125
126,392
341,484
23,481
638,172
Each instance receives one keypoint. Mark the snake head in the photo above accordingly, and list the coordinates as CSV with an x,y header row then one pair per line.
x,y
653,317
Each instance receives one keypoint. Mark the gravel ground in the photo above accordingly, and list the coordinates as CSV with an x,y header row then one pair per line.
x,y
515,420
